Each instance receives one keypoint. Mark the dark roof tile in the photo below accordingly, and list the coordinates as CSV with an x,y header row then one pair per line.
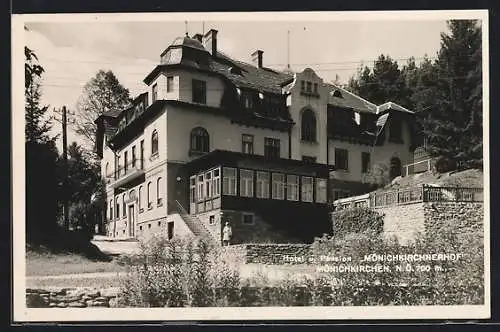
x,y
261,79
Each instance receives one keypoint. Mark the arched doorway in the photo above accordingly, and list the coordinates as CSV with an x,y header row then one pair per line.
x,y
395,170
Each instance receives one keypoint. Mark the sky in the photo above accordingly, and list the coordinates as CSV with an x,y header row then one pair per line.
x,y
73,52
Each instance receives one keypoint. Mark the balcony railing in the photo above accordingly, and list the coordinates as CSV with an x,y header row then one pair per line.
x,y
427,193
424,193
125,172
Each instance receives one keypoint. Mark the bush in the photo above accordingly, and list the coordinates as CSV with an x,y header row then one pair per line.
x,y
450,283
179,273
357,220
445,164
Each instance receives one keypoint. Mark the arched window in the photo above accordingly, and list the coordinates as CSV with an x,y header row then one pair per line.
x,y
308,126
150,198
199,140
124,207
140,198
154,143
159,196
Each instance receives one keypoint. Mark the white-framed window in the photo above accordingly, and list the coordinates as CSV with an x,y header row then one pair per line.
x,y
154,143
262,185
278,187
271,147
200,140
292,191
159,192
208,185
247,143
307,189
201,186
229,181
154,92
199,91
341,159
117,201
216,182
246,183
248,219
170,83
140,198
124,207
150,196
320,190
192,189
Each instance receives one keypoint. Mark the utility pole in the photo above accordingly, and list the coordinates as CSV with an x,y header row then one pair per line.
x,y
65,167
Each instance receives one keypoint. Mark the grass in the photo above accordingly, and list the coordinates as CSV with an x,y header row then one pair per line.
x,y
96,283
467,178
46,264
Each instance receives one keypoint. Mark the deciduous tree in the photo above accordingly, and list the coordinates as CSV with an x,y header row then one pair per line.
x,y
103,93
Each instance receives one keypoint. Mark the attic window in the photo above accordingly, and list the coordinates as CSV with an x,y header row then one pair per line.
x,y
234,70
337,94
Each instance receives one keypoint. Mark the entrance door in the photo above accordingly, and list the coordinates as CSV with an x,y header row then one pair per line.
x,y
170,230
131,221
395,169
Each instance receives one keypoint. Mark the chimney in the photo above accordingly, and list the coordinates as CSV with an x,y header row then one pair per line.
x,y
210,41
257,58
198,37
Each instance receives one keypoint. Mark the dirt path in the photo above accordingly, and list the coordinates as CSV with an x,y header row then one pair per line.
x,y
93,275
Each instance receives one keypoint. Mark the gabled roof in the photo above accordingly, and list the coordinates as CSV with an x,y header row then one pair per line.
x,y
350,100
261,79
393,106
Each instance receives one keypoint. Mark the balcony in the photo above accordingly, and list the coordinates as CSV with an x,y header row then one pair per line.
x,y
126,173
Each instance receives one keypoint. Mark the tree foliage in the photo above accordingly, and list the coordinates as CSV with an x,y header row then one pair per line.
x,y
453,125
385,82
37,125
41,157
103,93
445,93
83,187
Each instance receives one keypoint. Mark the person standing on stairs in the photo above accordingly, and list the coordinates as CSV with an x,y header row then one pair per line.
x,y
227,233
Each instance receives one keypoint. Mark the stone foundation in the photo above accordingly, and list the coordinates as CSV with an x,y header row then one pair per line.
x,y
70,298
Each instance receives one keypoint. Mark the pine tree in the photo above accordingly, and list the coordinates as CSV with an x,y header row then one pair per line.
x,y
37,125
453,127
384,83
41,158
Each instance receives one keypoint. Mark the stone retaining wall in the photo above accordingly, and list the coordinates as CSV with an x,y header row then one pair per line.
x,y
406,221
70,298
463,217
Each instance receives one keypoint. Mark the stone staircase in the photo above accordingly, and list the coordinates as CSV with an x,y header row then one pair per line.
x,y
194,223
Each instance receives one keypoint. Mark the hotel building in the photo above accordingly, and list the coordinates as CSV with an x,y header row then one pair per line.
x,y
214,139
